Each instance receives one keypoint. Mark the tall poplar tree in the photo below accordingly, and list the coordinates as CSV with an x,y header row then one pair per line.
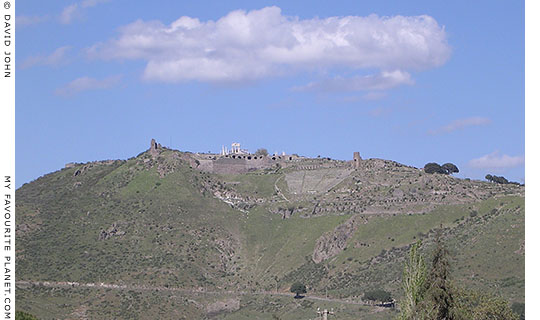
x,y
414,284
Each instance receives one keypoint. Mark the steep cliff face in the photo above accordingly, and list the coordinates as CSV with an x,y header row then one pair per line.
x,y
332,243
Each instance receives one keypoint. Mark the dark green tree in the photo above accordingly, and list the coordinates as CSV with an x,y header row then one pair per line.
x,y
500,180
439,297
433,167
450,168
497,179
519,309
298,288
378,295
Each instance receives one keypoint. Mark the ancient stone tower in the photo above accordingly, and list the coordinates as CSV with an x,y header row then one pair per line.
x,y
153,148
356,160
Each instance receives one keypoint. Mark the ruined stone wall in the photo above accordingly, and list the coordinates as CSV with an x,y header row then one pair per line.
x,y
235,164
205,165
242,163
229,166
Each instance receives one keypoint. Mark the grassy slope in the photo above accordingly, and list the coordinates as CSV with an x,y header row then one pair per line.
x,y
78,303
166,222
477,244
276,246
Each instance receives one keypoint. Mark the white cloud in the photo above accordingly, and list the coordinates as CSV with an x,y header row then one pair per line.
x,y
496,161
243,46
67,16
75,10
461,124
69,13
382,81
23,21
85,84
55,58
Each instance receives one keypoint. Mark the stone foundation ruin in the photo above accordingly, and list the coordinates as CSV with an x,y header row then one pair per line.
x,y
237,160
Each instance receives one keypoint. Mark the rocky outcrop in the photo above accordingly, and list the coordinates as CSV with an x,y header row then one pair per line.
x,y
289,211
111,232
521,249
226,248
85,167
234,199
227,195
70,165
227,305
332,243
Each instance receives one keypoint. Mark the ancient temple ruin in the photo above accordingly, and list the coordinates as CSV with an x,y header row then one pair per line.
x,y
235,149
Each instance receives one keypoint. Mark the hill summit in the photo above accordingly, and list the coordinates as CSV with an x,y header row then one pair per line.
x,y
225,235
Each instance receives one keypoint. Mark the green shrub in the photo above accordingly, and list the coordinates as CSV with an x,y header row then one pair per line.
x,y
378,295
519,309
21,315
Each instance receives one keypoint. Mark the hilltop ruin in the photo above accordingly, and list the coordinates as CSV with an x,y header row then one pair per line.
x,y
238,160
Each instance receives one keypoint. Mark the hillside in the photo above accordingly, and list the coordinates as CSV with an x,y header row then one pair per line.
x,y
193,236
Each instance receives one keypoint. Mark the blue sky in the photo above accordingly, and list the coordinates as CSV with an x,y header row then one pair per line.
x,y
423,82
